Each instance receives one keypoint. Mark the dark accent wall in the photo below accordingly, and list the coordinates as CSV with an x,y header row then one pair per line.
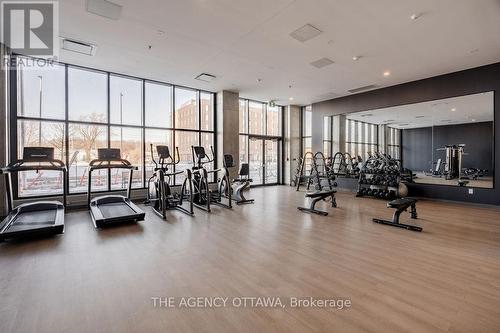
x,y
417,148
471,81
478,138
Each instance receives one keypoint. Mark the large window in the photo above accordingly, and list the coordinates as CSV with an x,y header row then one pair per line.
x,y
394,142
87,95
186,109
257,119
260,127
306,129
327,136
306,132
78,110
361,138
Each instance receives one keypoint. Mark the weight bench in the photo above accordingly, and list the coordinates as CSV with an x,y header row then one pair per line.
x,y
401,205
317,196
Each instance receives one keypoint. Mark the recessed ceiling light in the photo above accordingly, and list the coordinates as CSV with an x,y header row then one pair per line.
x,y
453,109
356,58
259,80
291,98
160,32
473,120
387,73
414,16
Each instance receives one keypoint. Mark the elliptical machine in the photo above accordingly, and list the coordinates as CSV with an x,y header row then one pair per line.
x,y
202,195
160,197
241,183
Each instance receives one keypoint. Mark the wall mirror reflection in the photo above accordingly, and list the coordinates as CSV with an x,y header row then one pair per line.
x,y
443,142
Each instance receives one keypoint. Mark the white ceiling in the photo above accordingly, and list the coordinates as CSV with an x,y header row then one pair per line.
x,y
449,111
241,41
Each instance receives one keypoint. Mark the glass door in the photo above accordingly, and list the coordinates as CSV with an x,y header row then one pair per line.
x,y
271,166
263,159
256,160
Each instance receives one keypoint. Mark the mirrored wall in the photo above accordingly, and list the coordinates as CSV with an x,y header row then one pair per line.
x,y
442,142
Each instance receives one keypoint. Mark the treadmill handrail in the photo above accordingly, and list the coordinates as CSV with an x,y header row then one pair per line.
x,y
19,165
108,164
111,164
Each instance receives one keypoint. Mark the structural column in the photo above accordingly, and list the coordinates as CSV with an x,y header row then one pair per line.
x,y
228,129
3,127
292,142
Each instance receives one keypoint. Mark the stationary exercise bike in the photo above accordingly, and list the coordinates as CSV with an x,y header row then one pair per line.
x,y
203,196
240,184
160,196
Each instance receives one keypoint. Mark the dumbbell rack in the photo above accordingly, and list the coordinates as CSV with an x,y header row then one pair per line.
x,y
370,184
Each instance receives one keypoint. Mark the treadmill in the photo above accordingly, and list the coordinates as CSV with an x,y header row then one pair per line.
x,y
39,217
112,209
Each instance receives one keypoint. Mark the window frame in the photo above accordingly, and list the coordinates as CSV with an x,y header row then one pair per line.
x,y
15,118
248,135
358,139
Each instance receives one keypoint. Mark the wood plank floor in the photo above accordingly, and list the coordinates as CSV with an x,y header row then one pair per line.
x,y
445,279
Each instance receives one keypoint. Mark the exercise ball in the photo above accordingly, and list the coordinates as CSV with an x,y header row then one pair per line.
x,y
402,190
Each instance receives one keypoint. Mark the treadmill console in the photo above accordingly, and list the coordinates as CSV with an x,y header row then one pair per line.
x,y
36,154
109,154
163,152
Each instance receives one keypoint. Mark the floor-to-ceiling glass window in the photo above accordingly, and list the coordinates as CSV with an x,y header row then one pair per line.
x,y
78,110
394,142
361,138
260,127
306,133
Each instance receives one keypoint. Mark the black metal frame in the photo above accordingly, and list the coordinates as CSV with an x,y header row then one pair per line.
x,y
264,137
14,120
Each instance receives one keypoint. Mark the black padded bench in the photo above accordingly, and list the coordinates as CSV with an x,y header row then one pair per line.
x,y
401,205
317,196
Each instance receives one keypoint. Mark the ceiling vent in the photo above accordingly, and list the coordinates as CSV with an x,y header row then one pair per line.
x,y
330,95
104,8
305,33
323,62
77,46
360,89
205,77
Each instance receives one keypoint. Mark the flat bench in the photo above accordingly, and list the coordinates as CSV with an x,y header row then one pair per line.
x,y
318,196
401,205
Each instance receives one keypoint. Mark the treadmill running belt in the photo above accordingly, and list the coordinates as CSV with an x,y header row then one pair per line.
x,y
117,209
28,220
